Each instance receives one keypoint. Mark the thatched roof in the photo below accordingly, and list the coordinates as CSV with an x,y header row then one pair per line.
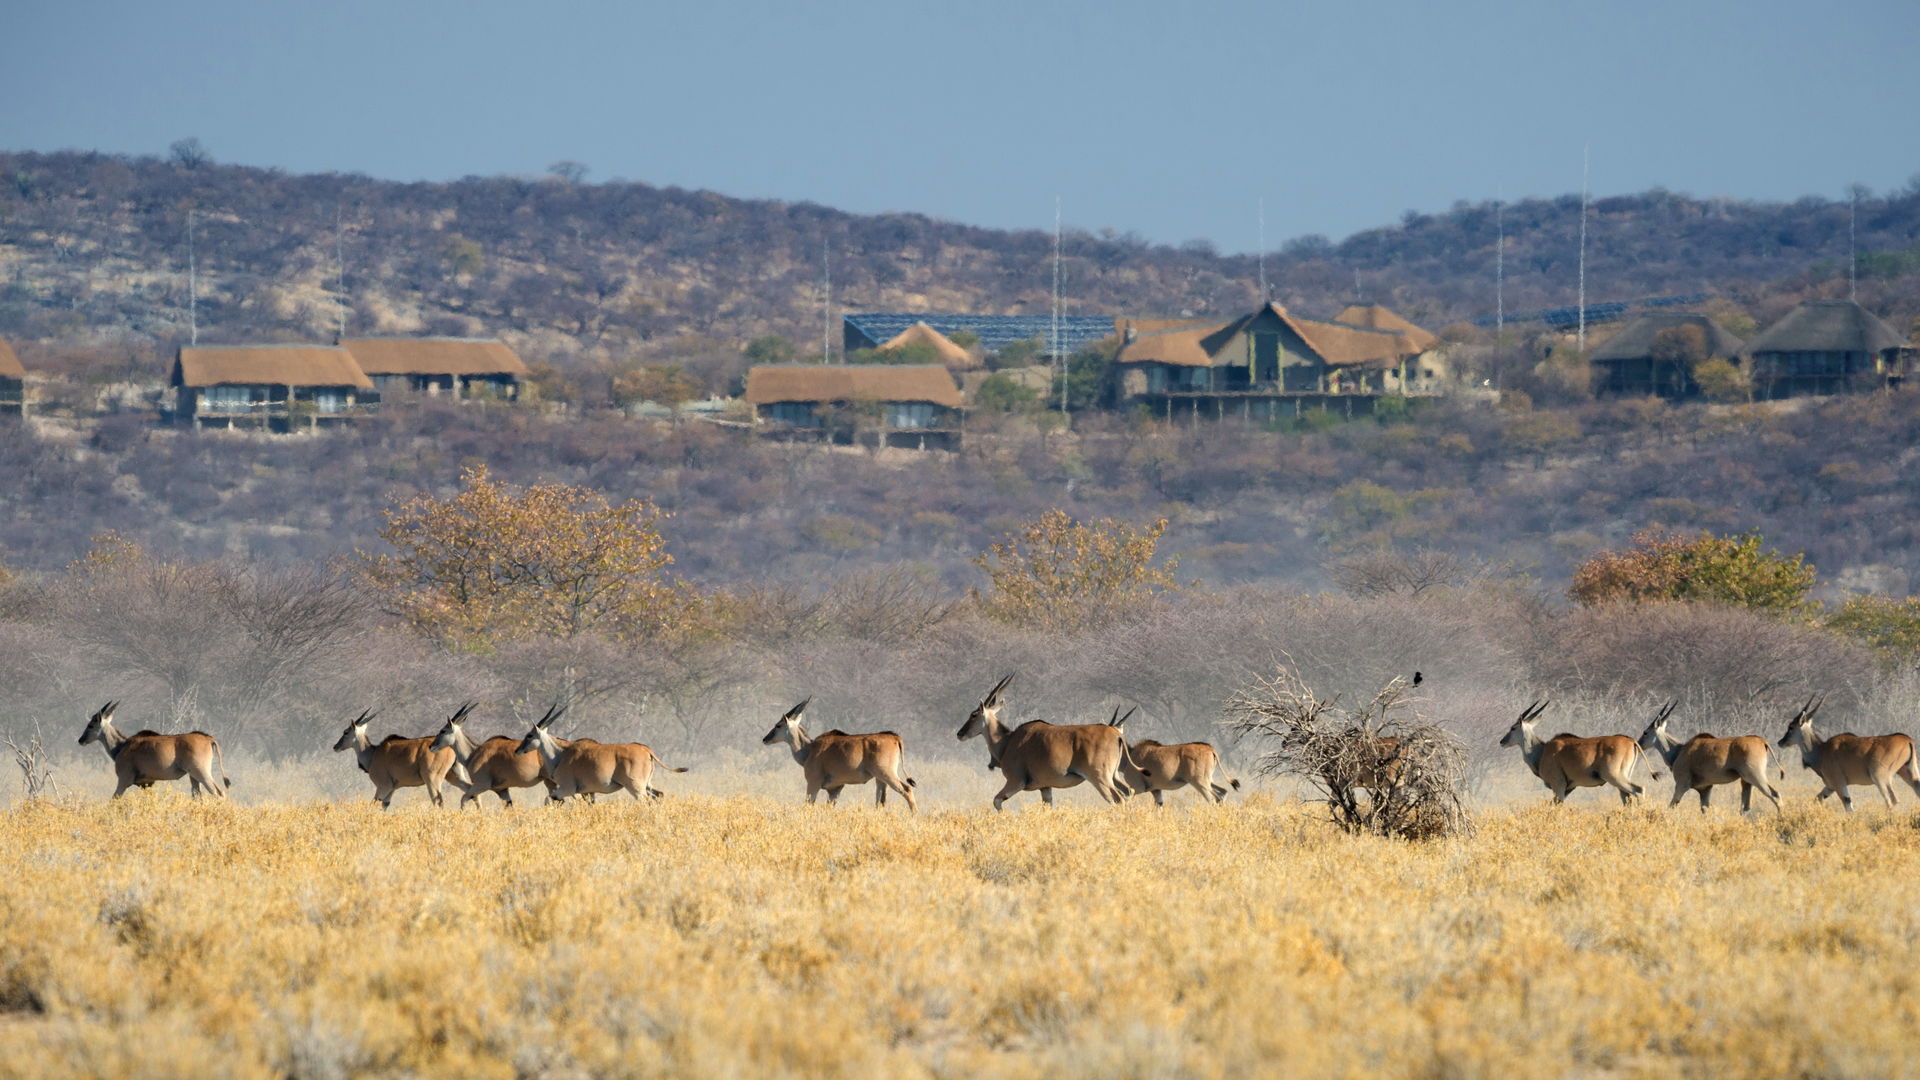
x,y
10,364
1128,324
268,365
1199,346
1376,317
1183,347
1634,341
1827,326
1352,346
769,384
922,334
434,356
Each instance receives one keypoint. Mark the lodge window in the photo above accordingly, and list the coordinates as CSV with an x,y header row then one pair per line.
x,y
797,413
229,397
909,414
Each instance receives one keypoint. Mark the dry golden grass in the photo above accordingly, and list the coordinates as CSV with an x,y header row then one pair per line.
x,y
717,936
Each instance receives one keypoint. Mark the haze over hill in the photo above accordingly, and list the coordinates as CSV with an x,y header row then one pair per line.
x,y
94,248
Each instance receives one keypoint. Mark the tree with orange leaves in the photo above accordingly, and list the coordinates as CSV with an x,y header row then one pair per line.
x,y
495,562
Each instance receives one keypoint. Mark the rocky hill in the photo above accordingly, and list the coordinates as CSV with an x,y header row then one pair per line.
x,y
94,249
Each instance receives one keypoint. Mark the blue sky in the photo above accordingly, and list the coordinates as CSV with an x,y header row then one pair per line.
x,y
1170,120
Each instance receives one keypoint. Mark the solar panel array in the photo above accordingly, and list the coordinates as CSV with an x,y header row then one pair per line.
x,y
1563,318
995,331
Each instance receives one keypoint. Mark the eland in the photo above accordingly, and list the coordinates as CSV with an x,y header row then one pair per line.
x,y
1160,768
146,758
1565,762
1848,760
832,760
1038,756
495,765
1699,763
397,762
586,767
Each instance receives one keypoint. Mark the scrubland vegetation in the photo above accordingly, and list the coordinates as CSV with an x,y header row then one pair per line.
x,y
1541,488
613,272
739,936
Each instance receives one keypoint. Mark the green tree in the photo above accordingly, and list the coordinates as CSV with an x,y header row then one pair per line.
x,y
1723,381
662,384
914,353
770,349
1023,353
1739,571
1888,624
462,256
1086,375
1056,573
1000,392
966,339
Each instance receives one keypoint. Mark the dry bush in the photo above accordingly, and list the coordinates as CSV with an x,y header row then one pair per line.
x,y
1414,771
31,756
1728,667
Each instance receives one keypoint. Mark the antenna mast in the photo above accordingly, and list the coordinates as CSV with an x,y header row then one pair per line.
x,y
1586,172
340,271
1059,355
1264,294
826,304
193,289
1500,265
1853,260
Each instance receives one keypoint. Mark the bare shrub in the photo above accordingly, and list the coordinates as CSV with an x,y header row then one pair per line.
x,y
1414,771
1728,667
30,754
1384,572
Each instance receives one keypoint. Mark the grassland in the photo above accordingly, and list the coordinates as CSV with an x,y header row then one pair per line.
x,y
742,936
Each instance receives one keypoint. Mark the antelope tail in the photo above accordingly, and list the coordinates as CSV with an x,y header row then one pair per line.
x,y
1235,784
662,764
1641,753
220,756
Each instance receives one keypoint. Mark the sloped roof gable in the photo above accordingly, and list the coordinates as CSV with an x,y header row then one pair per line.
x,y
434,356
769,384
1635,340
1827,326
268,365
922,334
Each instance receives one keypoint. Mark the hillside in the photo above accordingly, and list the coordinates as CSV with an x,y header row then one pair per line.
x,y
93,249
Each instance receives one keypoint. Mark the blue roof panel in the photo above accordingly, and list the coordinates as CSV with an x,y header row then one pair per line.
x,y
995,331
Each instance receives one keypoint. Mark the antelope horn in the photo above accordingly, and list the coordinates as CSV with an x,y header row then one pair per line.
x,y
553,713
1122,722
798,709
464,710
999,688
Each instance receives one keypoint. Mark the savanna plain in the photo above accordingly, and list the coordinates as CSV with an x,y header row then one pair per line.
x,y
731,930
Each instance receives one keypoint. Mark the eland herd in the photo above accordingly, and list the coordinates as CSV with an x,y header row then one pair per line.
x,y
1033,756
